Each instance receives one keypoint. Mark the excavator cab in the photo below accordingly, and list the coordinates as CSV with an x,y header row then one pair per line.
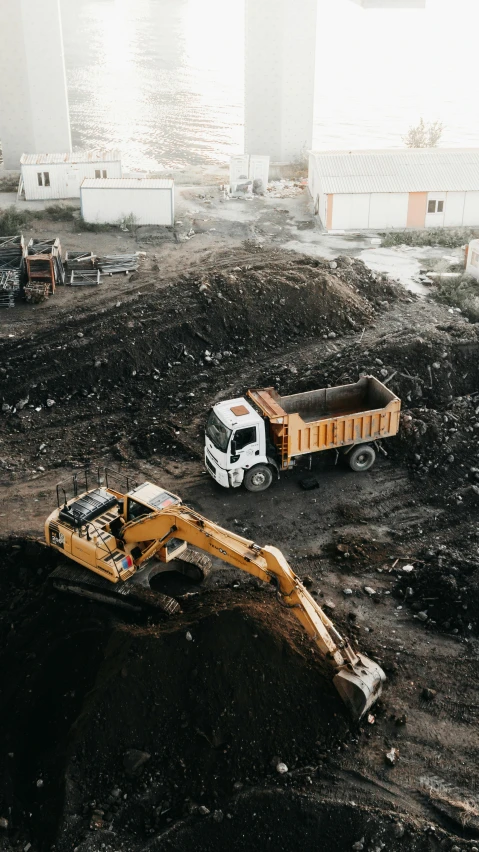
x,y
87,529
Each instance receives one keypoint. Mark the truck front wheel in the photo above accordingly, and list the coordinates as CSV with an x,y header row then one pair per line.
x,y
361,458
258,478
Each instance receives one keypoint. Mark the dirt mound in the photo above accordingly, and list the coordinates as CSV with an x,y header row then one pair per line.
x,y
287,820
125,371
443,590
126,728
219,699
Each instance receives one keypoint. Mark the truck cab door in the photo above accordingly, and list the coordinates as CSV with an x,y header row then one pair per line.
x,y
245,447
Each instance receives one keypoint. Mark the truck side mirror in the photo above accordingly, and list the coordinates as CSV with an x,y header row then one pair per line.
x,y
233,447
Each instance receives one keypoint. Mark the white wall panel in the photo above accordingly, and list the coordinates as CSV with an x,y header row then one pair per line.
x,y
471,209
351,211
388,209
454,210
149,206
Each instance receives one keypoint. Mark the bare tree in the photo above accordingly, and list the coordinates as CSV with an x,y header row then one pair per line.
x,y
424,135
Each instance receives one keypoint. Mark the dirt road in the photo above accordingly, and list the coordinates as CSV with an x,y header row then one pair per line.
x,y
87,693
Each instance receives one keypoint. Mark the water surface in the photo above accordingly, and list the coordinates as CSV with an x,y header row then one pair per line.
x,y
162,80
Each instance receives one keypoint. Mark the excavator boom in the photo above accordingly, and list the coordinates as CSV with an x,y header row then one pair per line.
x,y
357,678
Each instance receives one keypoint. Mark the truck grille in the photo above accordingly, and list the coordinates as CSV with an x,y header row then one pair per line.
x,y
210,466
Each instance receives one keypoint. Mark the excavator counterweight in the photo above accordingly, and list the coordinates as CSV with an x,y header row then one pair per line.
x,y
121,540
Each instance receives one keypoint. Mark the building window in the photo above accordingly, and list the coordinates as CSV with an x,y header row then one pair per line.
x,y
46,178
435,207
104,173
40,179
97,174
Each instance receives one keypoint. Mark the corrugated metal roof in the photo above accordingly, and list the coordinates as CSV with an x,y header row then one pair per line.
x,y
127,183
408,170
72,157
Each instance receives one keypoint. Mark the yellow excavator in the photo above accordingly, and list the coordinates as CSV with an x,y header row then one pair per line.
x,y
119,539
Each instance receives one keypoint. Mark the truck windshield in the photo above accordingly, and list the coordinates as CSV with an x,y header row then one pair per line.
x,y
217,432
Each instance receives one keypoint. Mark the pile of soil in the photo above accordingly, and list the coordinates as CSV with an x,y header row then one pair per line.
x,y
444,588
94,709
219,698
123,376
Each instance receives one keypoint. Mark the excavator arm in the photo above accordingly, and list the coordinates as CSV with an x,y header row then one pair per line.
x,y
357,678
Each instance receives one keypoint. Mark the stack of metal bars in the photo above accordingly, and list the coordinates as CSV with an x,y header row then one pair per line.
x,y
84,277
113,263
7,300
79,260
12,252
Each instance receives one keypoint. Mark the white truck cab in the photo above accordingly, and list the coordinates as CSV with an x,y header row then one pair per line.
x,y
235,446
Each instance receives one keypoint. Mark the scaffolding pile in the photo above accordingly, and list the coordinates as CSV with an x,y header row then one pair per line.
x,y
79,260
7,289
12,251
110,264
44,269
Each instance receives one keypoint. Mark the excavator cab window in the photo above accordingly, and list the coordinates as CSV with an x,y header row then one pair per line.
x,y
136,510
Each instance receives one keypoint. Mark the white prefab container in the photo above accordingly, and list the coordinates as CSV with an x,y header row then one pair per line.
x,y
56,176
149,201
410,188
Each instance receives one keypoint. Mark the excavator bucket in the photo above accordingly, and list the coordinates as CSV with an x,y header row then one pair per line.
x,y
360,686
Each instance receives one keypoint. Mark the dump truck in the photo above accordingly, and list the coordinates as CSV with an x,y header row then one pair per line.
x,y
114,539
251,440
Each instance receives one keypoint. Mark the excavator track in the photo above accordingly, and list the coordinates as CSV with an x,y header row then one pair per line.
x,y
134,595
194,565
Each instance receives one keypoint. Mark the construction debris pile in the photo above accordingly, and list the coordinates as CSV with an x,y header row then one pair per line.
x,y
34,271
286,188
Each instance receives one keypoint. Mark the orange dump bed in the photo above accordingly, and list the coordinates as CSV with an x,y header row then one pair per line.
x,y
328,418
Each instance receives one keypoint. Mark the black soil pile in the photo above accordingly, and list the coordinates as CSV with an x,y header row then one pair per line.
x,y
183,717
126,373
443,589
120,728
284,820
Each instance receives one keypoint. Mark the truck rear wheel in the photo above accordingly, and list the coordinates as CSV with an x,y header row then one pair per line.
x,y
361,458
258,478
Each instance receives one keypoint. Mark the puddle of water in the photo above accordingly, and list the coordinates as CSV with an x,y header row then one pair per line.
x,y
400,265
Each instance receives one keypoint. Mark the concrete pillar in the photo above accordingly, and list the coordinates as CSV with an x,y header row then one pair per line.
x,y
279,77
34,116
